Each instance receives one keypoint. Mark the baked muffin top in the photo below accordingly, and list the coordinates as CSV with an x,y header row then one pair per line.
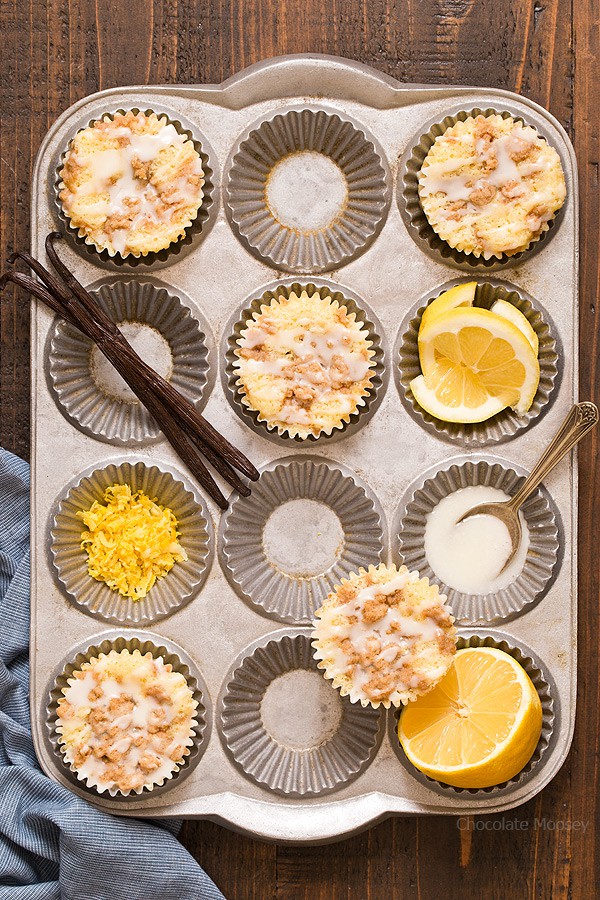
x,y
304,363
490,185
125,720
131,184
384,636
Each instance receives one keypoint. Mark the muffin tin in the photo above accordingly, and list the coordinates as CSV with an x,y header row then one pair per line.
x,y
278,758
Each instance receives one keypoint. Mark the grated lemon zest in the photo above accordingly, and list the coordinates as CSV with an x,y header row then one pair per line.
x,y
131,541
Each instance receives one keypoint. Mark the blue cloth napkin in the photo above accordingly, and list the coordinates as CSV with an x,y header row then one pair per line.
x,y
53,844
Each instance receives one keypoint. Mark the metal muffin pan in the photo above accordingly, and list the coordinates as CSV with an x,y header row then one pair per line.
x,y
216,275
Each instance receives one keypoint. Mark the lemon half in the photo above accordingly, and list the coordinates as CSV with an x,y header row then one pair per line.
x,y
480,724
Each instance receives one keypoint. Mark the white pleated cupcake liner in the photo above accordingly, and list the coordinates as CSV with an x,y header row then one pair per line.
x,y
157,646
356,153
69,363
364,316
194,232
287,770
543,683
414,217
255,578
169,593
541,563
507,423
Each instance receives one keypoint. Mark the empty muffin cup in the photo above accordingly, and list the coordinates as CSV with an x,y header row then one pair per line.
x,y
165,334
507,423
307,190
198,223
535,565
283,726
307,523
348,423
159,648
412,212
170,592
543,683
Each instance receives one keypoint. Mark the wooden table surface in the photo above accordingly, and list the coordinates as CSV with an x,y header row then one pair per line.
x,y
55,51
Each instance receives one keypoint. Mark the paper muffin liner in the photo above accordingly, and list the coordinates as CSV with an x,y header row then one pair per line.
x,y
145,642
171,592
263,582
88,406
541,563
415,219
197,228
288,246
507,423
543,683
364,316
344,739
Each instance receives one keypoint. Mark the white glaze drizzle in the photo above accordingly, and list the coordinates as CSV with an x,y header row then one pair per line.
x,y
384,645
122,730
444,176
113,174
320,362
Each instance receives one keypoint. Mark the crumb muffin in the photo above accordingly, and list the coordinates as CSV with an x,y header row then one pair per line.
x,y
304,364
125,721
489,186
131,184
384,636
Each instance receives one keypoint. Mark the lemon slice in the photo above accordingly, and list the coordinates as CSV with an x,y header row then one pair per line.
x,y
474,364
508,311
461,295
429,400
478,726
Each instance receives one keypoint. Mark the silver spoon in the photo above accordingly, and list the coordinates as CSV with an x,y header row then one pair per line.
x,y
580,420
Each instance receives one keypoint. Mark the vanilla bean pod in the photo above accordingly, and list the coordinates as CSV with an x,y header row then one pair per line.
x,y
39,291
183,407
60,289
84,322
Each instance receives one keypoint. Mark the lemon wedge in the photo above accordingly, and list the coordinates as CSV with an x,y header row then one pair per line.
x,y
461,295
508,311
474,364
480,724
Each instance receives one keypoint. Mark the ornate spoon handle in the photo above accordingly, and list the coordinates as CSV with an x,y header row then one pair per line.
x,y
581,419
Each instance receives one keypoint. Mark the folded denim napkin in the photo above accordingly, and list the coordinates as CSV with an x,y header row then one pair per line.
x,y
53,844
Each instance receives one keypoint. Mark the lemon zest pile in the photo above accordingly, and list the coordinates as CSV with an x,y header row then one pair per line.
x,y
131,541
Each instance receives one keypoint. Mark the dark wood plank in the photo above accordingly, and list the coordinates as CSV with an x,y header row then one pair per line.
x,y
583,762
55,52
240,867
